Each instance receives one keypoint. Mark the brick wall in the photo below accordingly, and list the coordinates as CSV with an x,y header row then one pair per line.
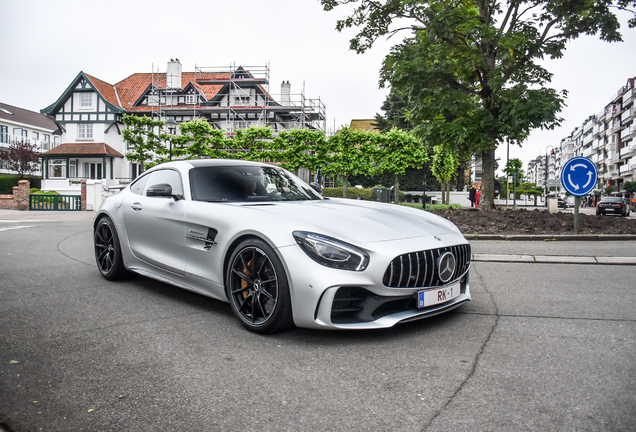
x,y
20,198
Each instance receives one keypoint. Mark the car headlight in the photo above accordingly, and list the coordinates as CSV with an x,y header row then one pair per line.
x,y
330,252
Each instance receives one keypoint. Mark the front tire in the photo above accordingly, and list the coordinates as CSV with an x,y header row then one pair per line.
x,y
257,288
108,251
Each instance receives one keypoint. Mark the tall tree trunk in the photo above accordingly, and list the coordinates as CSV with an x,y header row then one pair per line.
x,y
345,187
444,185
396,186
487,200
448,188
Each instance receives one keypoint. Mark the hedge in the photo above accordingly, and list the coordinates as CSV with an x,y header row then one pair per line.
x,y
366,194
8,182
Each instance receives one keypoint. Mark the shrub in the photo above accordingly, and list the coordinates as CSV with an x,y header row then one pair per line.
x,y
36,191
366,194
433,206
8,182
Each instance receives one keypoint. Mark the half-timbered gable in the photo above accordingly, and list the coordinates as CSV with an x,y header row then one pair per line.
x,y
90,114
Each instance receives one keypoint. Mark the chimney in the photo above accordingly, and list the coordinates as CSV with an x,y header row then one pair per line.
x,y
285,93
173,74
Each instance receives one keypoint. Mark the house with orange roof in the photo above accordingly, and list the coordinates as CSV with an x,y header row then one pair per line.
x,y
90,115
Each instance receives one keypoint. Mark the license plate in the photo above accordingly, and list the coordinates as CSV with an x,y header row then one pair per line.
x,y
437,296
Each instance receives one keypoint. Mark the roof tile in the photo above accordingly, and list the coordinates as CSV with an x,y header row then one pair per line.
x,y
92,149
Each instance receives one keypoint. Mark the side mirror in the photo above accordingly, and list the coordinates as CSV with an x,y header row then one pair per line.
x,y
315,186
161,190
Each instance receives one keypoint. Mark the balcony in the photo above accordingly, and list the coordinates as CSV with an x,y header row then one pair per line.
x,y
627,151
628,133
624,169
588,151
7,140
628,114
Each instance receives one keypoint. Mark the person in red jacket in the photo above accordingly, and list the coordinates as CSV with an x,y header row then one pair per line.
x,y
477,197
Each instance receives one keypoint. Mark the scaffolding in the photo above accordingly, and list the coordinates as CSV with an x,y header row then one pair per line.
x,y
234,97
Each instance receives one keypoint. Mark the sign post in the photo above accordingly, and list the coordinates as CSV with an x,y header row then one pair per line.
x,y
578,177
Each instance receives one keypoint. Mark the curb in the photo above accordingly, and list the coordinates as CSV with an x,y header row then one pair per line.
x,y
554,259
547,237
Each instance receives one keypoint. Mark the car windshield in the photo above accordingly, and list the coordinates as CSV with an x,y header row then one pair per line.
x,y
248,184
611,200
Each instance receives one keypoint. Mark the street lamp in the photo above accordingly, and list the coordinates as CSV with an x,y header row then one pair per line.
x,y
546,173
172,125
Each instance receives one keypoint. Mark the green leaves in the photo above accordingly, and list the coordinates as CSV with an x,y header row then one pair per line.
x,y
145,139
470,70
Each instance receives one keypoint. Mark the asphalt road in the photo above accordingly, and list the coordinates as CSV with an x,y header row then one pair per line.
x,y
541,347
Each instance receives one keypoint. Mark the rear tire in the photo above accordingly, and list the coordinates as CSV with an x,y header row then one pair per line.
x,y
108,251
257,288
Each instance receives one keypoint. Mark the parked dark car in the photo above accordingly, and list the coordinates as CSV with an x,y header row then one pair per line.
x,y
562,203
612,205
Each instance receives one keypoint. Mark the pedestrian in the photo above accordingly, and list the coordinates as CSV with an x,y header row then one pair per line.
x,y
477,197
471,195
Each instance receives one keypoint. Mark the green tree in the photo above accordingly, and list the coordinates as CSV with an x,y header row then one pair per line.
x,y
22,158
395,114
350,152
514,169
629,187
148,147
198,140
297,148
397,151
444,168
470,69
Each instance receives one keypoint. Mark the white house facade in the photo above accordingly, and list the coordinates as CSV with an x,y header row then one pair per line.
x,y
90,115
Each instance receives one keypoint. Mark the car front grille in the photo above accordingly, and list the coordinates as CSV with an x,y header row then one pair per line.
x,y
419,269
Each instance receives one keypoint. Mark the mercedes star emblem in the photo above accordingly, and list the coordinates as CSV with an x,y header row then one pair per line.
x,y
446,266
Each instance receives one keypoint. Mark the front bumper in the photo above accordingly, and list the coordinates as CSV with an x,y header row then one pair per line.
x,y
338,299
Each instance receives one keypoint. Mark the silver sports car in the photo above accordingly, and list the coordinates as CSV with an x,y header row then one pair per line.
x,y
258,237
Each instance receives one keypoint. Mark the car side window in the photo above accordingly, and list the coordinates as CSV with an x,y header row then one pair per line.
x,y
138,185
166,176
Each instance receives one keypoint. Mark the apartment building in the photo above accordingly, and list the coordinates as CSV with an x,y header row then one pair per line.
x,y
21,125
608,138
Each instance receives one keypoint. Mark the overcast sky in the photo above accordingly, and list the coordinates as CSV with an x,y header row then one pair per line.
x,y
44,44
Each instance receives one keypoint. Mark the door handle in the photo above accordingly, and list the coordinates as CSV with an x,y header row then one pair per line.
x,y
136,206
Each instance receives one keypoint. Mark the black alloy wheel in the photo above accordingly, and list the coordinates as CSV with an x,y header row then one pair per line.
x,y
108,251
257,288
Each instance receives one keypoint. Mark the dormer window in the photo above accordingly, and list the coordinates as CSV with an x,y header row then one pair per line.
x,y
191,99
86,100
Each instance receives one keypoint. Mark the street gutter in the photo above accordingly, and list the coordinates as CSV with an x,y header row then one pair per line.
x,y
548,237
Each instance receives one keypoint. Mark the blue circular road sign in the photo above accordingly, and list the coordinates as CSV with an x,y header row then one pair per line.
x,y
579,176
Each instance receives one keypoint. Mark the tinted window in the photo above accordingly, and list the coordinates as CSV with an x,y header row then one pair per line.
x,y
228,184
166,176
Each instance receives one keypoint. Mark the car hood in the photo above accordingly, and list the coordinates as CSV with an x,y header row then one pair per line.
x,y
357,221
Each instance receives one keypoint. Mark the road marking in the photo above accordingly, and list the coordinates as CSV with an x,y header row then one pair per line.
x,y
16,227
